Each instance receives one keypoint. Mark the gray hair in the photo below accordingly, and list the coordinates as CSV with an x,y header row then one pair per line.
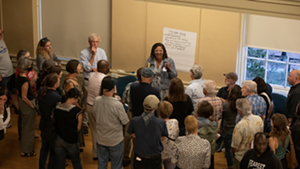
x,y
23,64
93,36
197,71
47,64
244,105
251,86
210,86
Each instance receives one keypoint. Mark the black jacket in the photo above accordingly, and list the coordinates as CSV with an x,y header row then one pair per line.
x,y
295,130
266,161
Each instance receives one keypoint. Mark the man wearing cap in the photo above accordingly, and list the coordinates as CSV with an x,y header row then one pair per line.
x,y
148,131
230,79
90,56
110,118
139,91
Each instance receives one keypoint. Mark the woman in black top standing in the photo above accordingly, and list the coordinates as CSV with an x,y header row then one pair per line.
x,y
27,106
68,120
182,103
48,99
228,121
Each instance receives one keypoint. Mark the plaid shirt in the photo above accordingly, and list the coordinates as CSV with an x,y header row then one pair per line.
x,y
126,95
216,103
259,106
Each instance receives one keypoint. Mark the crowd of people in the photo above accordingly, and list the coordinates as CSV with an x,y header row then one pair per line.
x,y
170,125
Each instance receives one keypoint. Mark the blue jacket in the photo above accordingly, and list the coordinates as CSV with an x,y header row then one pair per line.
x,y
166,76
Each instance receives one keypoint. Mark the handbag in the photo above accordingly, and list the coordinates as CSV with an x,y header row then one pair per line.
x,y
291,156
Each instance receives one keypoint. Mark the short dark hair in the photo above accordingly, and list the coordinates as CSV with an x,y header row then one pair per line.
x,y
261,85
205,109
21,53
71,66
4,91
258,135
139,74
73,93
165,55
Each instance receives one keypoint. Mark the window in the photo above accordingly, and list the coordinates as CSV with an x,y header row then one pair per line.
x,y
273,66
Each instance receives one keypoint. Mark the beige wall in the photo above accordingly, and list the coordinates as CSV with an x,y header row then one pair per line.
x,y
18,25
136,26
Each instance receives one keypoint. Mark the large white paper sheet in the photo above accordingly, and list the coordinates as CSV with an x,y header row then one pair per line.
x,y
181,47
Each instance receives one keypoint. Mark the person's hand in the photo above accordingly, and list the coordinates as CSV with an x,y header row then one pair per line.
x,y
94,51
168,66
95,69
147,65
133,135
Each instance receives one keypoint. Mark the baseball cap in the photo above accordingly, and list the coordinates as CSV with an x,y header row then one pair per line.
x,y
231,75
150,102
147,72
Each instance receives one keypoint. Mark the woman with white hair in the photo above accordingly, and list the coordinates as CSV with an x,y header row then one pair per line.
x,y
27,107
195,90
259,106
244,131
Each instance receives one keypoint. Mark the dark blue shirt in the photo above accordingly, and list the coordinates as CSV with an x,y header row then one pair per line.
x,y
138,92
223,93
147,138
47,104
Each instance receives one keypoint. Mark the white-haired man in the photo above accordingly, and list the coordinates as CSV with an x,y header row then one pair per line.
x,y
6,68
259,106
244,131
195,89
90,56
209,90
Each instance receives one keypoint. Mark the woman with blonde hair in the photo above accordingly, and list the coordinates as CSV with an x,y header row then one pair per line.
x,y
279,137
181,102
44,52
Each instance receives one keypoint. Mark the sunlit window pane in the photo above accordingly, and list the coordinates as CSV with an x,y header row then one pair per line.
x,y
276,73
255,68
258,53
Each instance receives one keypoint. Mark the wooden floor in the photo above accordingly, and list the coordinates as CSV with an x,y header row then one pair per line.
x,y
10,157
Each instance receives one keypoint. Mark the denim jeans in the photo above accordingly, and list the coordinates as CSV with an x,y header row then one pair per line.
x,y
227,137
4,81
115,154
45,148
61,148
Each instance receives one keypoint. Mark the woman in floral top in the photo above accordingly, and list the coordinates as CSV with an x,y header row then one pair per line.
x,y
165,110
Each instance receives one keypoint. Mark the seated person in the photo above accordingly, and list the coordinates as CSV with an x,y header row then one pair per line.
x,y
191,151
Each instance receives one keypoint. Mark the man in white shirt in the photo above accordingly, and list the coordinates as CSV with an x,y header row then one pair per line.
x,y
93,91
89,58
195,89
244,131
6,68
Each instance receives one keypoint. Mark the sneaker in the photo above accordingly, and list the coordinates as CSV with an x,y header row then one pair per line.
x,y
85,130
220,148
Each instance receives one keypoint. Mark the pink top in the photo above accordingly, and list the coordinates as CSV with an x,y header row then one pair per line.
x,y
94,86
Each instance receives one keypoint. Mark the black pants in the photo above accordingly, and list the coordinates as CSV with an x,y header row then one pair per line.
x,y
147,163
